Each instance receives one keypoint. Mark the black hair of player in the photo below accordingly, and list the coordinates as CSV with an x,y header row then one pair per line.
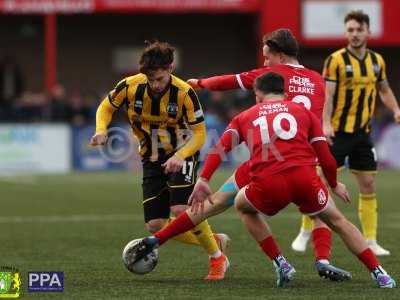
x,y
270,83
282,41
156,55
357,15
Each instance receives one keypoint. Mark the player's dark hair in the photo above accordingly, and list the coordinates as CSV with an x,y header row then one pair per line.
x,y
156,55
282,41
270,83
358,16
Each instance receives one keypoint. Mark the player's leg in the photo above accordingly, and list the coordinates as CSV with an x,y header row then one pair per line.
x,y
322,240
363,165
307,187
356,243
155,192
299,244
181,186
222,199
260,230
188,220
156,201
340,149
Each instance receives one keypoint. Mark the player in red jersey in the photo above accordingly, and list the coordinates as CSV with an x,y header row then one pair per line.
x,y
280,51
285,141
302,85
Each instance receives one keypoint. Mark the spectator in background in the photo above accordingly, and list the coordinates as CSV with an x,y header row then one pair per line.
x,y
29,107
83,108
11,86
59,107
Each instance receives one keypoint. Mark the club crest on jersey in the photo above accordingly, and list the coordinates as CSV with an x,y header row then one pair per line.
x,y
321,197
138,104
349,69
376,69
172,108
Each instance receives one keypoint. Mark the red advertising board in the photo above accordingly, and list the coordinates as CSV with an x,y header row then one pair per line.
x,y
126,6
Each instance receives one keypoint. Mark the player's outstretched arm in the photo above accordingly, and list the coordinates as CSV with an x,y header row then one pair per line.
x,y
103,119
215,83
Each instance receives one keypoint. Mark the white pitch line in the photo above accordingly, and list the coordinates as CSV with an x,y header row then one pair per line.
x,y
70,218
231,215
31,180
105,218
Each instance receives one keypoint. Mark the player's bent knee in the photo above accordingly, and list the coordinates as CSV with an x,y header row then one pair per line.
x,y
241,204
155,225
367,182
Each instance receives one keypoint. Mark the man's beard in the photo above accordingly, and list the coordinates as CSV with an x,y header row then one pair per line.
x,y
357,45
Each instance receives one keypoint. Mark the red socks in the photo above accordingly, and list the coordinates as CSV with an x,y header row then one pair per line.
x,y
322,238
269,247
179,225
369,259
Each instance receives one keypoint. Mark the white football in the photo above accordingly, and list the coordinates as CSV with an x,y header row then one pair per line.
x,y
142,266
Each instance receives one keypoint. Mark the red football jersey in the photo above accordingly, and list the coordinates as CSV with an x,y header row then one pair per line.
x,y
279,136
302,85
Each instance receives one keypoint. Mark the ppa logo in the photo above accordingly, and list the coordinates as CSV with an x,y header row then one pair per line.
x,y
46,282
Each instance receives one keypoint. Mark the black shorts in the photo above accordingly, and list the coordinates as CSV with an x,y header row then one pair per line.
x,y
161,191
358,148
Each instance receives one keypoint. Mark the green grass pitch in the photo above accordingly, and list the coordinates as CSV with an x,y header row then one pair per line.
x,y
79,224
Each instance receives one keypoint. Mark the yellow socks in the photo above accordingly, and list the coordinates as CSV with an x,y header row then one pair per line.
x,y
201,235
306,223
206,237
187,237
367,212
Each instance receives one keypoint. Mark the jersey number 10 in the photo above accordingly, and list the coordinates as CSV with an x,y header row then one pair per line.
x,y
277,127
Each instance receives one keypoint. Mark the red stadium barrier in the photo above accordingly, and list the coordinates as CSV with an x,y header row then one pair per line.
x,y
126,6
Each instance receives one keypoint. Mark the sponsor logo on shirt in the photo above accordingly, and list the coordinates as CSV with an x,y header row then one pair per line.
x,y
198,113
301,85
321,197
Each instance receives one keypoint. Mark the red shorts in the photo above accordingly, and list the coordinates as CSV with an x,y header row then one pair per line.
x,y
300,185
242,175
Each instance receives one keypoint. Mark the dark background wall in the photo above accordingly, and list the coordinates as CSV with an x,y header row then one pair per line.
x,y
208,44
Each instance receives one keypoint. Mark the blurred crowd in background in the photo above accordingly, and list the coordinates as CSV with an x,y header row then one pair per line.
x,y
78,107
17,104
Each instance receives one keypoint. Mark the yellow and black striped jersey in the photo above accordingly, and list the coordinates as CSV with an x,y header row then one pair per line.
x,y
355,95
160,124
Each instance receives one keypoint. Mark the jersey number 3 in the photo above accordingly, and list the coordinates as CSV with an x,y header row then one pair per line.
x,y
278,131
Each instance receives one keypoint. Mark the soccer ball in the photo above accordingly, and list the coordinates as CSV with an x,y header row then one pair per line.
x,y
142,266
